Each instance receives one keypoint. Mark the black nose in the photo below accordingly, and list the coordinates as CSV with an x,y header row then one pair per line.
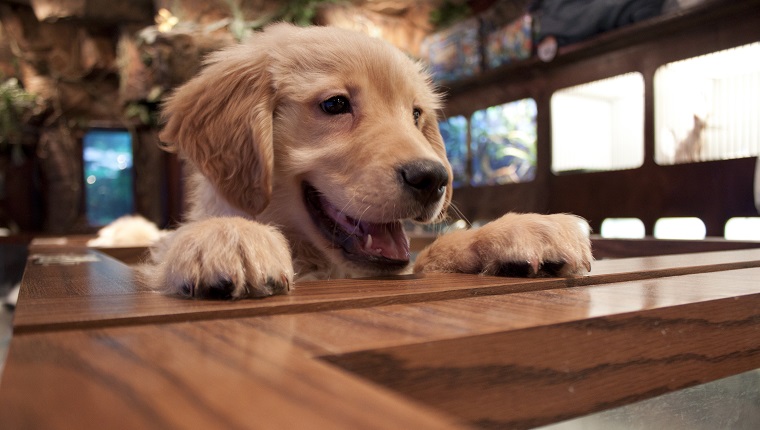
x,y
425,179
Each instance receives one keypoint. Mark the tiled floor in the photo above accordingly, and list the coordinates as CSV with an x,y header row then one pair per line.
x,y
728,403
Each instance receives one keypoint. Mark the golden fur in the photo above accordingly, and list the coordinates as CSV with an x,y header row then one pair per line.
x,y
257,129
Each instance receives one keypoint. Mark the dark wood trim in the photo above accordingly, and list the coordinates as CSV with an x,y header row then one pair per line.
x,y
713,191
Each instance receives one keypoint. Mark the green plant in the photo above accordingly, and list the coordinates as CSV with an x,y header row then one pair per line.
x,y
14,102
146,111
302,12
16,106
298,12
448,13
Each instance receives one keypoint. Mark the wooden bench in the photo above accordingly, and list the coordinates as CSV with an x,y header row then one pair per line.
x,y
93,348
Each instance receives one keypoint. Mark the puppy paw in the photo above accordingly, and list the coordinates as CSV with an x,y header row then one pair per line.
x,y
534,245
521,245
222,258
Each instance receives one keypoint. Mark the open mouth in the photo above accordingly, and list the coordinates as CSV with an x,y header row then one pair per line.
x,y
380,246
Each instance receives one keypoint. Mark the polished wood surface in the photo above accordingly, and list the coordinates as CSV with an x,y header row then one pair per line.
x,y
93,348
103,291
646,247
189,376
558,360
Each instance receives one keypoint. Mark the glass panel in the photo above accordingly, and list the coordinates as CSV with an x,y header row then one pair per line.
x,y
454,132
743,229
599,126
707,107
504,143
623,228
679,228
109,193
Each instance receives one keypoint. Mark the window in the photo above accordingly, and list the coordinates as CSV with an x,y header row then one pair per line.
x,y
504,143
623,228
109,192
454,133
599,126
743,229
707,107
680,228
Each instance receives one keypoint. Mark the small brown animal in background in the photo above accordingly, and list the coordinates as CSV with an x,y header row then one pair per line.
x,y
309,148
689,149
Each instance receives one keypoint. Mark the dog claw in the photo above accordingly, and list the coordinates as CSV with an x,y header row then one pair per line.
x,y
514,270
530,269
276,287
552,268
273,287
221,291
187,290
534,264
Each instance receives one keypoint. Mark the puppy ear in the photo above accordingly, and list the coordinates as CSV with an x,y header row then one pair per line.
x,y
221,121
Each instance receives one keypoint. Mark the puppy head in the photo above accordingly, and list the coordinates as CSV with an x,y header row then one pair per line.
x,y
330,133
355,114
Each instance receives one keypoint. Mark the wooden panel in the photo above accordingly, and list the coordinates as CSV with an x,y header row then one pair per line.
x,y
627,248
76,272
605,248
655,336
713,191
521,378
625,269
350,330
93,348
104,291
56,296
206,375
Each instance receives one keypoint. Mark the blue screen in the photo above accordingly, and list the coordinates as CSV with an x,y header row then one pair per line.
x,y
108,177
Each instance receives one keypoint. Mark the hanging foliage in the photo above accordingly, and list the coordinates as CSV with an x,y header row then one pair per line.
x,y
449,12
16,106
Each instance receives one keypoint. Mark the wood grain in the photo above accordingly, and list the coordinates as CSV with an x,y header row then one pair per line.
x,y
338,332
93,348
53,273
629,248
104,292
189,376
521,378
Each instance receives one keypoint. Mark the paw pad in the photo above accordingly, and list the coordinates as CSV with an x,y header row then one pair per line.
x,y
527,269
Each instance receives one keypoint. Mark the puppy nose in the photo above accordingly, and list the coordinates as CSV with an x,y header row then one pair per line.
x,y
425,179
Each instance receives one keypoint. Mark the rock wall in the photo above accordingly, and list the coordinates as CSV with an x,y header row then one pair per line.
x,y
106,63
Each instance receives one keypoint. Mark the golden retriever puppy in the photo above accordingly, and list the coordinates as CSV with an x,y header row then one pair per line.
x,y
309,148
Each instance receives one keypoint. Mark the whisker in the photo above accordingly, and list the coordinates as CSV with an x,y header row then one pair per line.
x,y
343,211
460,214
359,220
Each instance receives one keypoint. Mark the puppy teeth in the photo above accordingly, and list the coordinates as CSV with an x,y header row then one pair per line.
x,y
368,244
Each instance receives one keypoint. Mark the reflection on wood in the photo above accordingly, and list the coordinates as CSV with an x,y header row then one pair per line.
x,y
95,349
188,376
549,372
105,292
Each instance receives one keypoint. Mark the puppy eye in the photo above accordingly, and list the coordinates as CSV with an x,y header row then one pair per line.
x,y
336,105
417,112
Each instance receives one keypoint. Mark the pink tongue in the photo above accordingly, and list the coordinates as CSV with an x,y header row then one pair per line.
x,y
386,240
